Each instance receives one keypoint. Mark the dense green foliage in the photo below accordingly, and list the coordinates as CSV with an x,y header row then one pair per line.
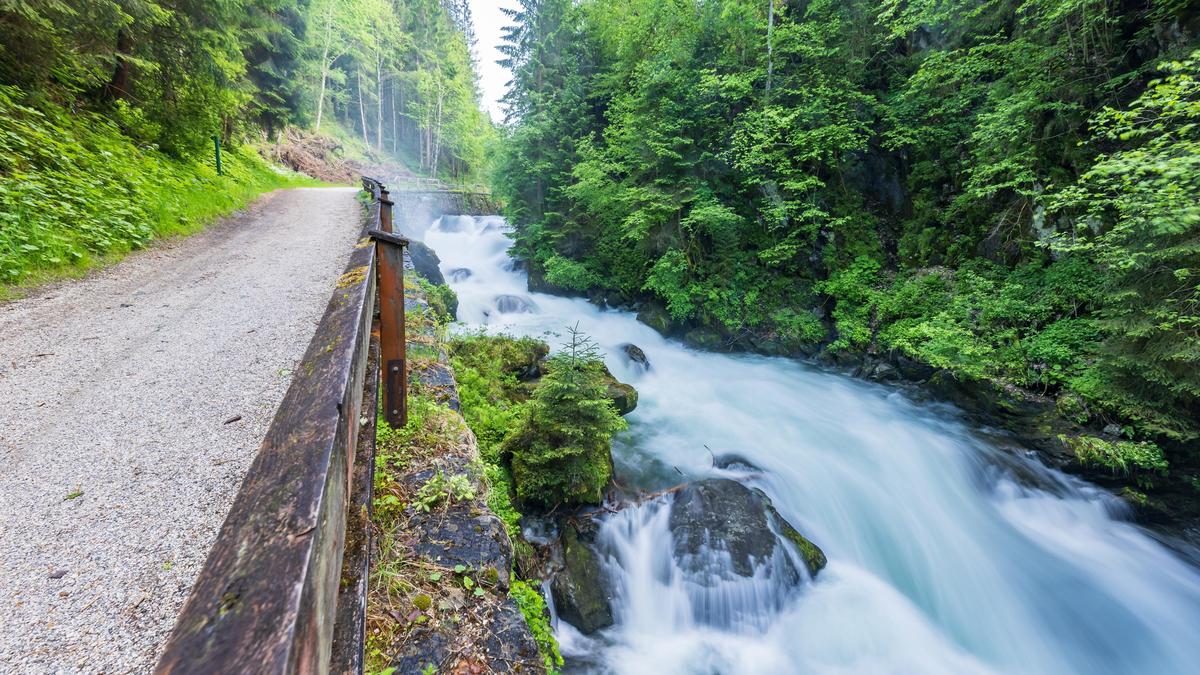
x,y
533,607
1006,189
1143,461
546,440
109,108
486,368
399,73
74,189
561,447
175,74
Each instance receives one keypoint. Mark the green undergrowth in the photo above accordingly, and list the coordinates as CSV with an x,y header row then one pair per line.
x,y
1142,461
76,191
533,607
494,400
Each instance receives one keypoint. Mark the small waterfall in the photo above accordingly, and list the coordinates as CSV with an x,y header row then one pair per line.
x,y
655,591
940,559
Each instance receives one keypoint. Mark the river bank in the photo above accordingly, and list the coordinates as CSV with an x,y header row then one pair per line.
x,y
1055,423
948,552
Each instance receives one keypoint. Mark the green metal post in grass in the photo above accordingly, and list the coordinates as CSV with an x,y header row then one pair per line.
x,y
217,146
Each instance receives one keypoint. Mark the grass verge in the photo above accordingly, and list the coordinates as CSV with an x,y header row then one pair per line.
x,y
77,192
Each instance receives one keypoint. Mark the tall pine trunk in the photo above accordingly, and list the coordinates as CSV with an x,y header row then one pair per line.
x,y
362,110
379,103
324,65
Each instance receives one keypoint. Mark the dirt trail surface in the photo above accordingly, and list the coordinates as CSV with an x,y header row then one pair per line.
x,y
131,405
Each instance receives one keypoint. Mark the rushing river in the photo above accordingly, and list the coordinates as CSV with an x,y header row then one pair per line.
x,y
939,561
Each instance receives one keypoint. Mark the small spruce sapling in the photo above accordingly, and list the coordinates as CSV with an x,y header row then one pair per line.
x,y
561,448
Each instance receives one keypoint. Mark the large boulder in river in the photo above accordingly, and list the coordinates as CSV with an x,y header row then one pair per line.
x,y
636,356
623,396
426,262
514,304
722,514
580,590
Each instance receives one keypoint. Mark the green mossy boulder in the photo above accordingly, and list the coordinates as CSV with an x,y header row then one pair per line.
x,y
656,316
623,396
580,589
813,557
706,339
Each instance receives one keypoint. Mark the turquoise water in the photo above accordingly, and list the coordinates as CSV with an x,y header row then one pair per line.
x,y
939,561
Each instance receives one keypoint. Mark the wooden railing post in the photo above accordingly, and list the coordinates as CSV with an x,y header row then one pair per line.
x,y
389,252
385,211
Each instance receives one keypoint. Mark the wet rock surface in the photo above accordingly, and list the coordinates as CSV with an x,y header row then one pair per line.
x,y
580,589
636,356
724,514
510,646
426,263
459,537
514,304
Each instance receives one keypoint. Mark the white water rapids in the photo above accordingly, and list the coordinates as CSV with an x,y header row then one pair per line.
x,y
939,561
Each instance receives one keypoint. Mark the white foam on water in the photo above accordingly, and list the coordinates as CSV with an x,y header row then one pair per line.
x,y
939,562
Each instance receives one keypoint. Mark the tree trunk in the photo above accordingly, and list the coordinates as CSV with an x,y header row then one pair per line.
x,y
118,86
379,103
324,64
392,89
362,111
437,134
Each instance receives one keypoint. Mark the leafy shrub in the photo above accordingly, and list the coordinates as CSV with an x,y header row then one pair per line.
x,y
442,300
533,607
1059,351
1144,461
669,279
853,290
798,327
441,488
569,274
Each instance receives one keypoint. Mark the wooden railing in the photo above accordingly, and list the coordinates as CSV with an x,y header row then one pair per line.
x,y
284,587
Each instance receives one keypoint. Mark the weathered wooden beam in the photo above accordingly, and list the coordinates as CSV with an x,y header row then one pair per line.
x,y
266,599
350,628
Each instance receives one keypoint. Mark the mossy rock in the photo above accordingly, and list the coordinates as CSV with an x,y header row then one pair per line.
x,y
623,396
812,555
706,339
580,589
725,514
657,317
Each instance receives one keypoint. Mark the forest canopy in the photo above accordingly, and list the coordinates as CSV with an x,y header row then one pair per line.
x,y
109,110
395,73
1005,189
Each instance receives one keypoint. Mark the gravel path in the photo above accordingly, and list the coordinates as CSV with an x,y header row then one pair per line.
x,y
117,460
